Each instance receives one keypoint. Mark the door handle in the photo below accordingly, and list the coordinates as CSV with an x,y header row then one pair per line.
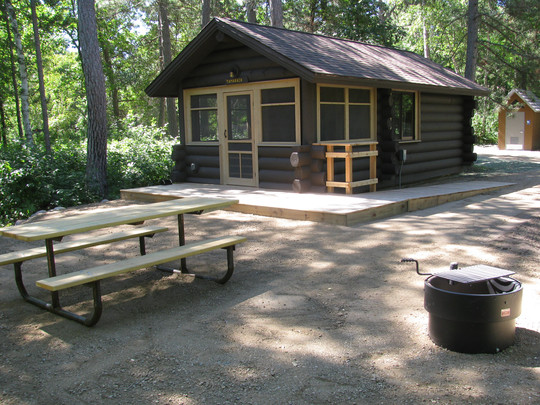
x,y
225,134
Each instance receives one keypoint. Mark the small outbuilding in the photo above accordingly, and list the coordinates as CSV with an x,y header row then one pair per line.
x,y
519,121
267,107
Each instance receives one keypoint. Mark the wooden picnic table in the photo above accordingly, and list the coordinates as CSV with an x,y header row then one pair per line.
x,y
58,228
53,230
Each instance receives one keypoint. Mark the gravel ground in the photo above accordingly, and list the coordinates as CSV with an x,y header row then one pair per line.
x,y
314,314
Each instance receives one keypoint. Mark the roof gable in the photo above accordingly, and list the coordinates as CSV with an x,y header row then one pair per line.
x,y
528,97
317,58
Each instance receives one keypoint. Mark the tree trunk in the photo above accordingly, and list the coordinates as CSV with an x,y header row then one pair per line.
x,y
206,11
172,117
39,62
3,126
162,112
96,167
13,73
276,13
425,33
251,11
25,103
472,40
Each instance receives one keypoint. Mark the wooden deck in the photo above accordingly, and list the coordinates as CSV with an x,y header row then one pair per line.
x,y
336,209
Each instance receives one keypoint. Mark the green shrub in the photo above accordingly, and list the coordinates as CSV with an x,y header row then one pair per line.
x,y
142,157
485,122
32,180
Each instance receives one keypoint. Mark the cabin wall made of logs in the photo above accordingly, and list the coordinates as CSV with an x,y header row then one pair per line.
x,y
201,164
231,57
445,145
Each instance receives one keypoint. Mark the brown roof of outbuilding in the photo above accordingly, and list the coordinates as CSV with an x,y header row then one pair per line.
x,y
528,97
318,58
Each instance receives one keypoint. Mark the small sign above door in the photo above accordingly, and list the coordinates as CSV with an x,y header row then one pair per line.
x,y
235,80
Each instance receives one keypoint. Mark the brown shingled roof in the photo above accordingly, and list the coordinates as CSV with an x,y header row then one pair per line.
x,y
318,58
528,97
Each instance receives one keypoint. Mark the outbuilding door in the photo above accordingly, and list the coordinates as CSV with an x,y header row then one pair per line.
x,y
515,130
239,147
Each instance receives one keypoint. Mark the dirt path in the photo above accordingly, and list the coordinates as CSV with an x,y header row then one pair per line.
x,y
314,313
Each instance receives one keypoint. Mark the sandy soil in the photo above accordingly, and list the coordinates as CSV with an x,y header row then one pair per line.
x,y
314,314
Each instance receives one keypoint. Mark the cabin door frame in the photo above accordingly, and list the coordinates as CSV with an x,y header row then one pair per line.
x,y
239,160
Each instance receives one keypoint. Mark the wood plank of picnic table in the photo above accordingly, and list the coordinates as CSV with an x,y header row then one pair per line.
x,y
54,228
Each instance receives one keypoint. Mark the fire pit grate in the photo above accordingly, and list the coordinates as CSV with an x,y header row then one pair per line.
x,y
473,274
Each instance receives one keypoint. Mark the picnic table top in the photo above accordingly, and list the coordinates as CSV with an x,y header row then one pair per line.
x,y
55,228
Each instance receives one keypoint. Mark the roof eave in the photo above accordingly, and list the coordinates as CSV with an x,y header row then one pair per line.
x,y
170,72
390,84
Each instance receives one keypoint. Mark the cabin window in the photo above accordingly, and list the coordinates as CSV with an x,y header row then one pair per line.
x,y
404,115
345,113
278,115
204,118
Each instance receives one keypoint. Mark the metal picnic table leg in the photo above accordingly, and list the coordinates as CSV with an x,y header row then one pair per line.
x,y
182,241
51,264
22,289
88,320
55,307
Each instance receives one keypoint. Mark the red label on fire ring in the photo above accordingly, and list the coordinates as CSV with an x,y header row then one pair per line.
x,y
505,312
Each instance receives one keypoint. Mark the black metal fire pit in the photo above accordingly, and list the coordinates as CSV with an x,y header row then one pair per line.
x,y
472,309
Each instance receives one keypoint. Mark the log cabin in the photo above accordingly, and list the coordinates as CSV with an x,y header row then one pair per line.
x,y
273,108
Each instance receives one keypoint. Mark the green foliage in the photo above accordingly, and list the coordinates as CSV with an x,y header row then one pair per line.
x,y
364,20
486,124
31,180
139,157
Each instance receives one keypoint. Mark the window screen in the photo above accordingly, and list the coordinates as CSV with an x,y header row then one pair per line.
x,y
204,118
344,113
278,113
359,96
332,122
359,122
332,95
239,117
204,101
273,96
278,123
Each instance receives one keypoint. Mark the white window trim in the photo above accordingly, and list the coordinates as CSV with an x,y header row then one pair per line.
x,y
346,103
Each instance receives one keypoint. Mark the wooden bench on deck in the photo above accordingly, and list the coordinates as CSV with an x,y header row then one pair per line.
x,y
94,275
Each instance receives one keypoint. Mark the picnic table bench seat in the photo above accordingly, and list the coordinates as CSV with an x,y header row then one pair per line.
x,y
94,275
37,252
